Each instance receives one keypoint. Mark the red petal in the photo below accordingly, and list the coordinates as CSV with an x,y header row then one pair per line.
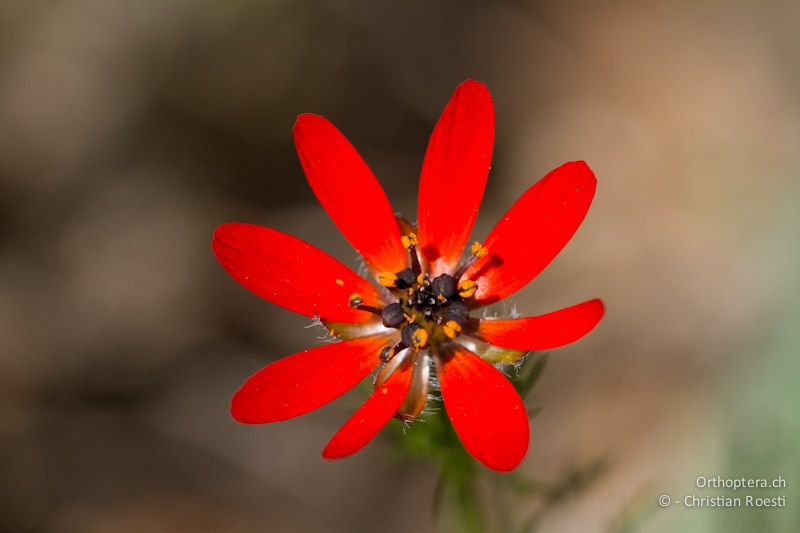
x,y
485,409
544,331
305,381
349,192
454,174
533,231
371,416
291,273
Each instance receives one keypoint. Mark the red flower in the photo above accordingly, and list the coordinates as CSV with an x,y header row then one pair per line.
x,y
420,315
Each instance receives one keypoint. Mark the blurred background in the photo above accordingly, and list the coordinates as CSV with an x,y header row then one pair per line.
x,y
130,130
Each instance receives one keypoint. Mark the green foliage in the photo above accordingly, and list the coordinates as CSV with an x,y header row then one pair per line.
x,y
470,498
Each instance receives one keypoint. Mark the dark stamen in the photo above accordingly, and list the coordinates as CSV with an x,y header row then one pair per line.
x,y
370,309
414,335
412,252
409,241
457,312
444,285
393,315
387,353
357,302
405,278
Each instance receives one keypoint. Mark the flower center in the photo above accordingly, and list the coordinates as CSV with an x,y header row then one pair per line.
x,y
428,312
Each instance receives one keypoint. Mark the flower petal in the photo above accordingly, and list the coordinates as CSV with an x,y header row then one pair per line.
x,y
292,273
533,231
349,192
544,331
305,381
454,174
485,409
371,416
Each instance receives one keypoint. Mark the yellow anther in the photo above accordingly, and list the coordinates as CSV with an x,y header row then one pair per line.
x,y
410,318
420,338
420,279
387,279
451,329
441,298
478,250
466,289
409,240
339,282
387,353
355,300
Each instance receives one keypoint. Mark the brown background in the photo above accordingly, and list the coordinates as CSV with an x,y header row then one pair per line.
x,y
129,130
